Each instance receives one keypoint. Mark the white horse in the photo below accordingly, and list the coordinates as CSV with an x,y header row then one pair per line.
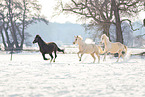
x,y
116,47
87,48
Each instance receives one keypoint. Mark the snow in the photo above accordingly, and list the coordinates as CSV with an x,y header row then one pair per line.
x,y
28,75
89,41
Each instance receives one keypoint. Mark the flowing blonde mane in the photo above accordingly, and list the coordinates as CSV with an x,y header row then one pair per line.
x,y
104,36
80,37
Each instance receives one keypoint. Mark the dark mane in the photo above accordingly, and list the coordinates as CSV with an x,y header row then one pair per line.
x,y
49,42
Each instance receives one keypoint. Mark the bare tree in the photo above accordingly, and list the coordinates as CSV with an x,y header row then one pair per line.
x,y
16,15
123,8
100,13
103,13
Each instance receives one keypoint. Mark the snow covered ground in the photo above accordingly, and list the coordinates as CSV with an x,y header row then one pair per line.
x,y
28,75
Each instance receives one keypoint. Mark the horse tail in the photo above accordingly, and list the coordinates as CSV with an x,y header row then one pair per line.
x,y
57,48
60,50
125,47
100,50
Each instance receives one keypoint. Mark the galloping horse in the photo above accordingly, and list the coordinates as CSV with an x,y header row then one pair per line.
x,y
116,47
87,48
47,48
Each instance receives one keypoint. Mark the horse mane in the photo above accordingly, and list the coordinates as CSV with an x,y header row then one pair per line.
x,y
104,35
50,43
38,36
80,37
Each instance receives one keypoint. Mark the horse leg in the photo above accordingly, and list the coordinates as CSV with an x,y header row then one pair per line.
x,y
122,55
105,56
119,53
51,57
44,57
98,57
93,57
78,54
55,56
81,57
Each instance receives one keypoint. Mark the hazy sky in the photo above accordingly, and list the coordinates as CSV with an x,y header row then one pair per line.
x,y
47,10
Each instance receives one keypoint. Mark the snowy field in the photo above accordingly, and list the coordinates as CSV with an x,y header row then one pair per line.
x,y
28,75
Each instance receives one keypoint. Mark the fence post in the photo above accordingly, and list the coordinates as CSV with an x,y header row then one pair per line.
x,y
11,53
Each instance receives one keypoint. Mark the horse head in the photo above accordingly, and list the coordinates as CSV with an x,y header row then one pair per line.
x,y
37,37
77,38
104,37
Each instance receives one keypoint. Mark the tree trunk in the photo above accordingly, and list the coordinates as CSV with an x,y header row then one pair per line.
x,y
13,31
10,45
106,30
119,36
3,39
23,25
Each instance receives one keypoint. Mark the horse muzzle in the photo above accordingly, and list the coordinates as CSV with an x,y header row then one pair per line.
x,y
34,42
73,42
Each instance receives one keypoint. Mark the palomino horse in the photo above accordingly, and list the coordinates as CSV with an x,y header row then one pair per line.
x,y
47,48
87,48
116,47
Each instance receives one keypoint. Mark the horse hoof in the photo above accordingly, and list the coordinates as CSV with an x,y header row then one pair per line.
x,y
47,59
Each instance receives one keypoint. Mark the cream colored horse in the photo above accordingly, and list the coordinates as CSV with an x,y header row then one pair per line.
x,y
116,47
87,48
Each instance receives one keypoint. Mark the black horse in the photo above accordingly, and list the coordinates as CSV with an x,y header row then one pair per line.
x,y
47,48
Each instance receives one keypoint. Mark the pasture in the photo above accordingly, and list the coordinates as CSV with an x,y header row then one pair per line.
x,y
28,75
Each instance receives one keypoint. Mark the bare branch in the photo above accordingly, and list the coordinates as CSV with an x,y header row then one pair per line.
x,y
130,23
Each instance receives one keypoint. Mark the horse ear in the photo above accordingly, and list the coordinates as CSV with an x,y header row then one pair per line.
x,y
37,36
